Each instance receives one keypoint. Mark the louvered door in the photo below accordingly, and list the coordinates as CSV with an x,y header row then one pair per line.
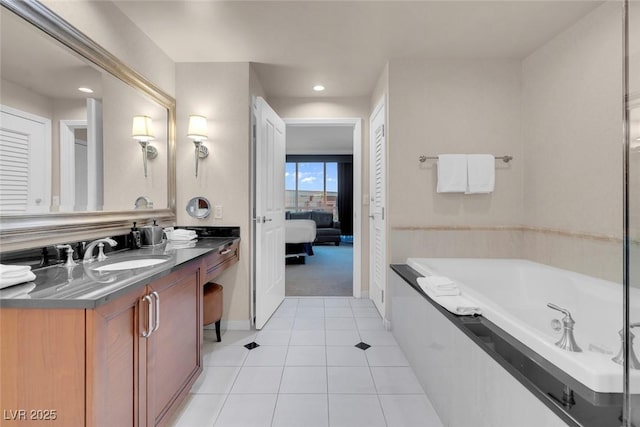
x,y
377,208
25,165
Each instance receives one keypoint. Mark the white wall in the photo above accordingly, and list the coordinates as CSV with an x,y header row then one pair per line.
x,y
572,136
220,92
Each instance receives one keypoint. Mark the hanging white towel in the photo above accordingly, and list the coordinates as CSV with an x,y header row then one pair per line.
x,y
481,173
452,173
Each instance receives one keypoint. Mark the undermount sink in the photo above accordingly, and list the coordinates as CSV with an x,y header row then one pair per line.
x,y
130,263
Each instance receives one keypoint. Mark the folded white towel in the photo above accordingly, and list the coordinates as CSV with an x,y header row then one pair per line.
x,y
458,304
176,244
439,285
452,173
481,173
181,235
19,291
15,280
13,270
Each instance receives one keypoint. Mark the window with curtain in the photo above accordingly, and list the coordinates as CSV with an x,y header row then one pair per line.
x,y
311,186
321,182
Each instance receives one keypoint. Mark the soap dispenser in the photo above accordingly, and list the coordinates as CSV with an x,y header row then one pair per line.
x,y
136,238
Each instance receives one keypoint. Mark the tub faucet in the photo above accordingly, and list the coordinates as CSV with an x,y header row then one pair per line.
x,y
633,360
88,253
567,342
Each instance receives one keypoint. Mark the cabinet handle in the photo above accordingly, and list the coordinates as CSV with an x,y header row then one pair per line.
x,y
147,333
157,312
225,251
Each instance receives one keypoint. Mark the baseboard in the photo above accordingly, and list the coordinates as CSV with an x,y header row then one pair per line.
x,y
387,324
231,325
364,294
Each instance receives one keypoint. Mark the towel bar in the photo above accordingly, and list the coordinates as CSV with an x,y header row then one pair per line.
x,y
505,159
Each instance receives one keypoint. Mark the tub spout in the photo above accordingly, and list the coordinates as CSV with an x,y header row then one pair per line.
x,y
633,360
567,342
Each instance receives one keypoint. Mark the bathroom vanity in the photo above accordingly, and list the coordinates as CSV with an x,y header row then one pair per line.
x,y
123,354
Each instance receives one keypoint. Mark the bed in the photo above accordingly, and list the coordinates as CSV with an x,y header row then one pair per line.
x,y
299,235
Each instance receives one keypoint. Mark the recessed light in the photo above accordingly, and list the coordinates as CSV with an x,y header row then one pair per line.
x,y
85,90
318,88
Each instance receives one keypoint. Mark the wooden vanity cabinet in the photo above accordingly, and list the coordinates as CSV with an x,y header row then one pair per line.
x,y
216,262
135,380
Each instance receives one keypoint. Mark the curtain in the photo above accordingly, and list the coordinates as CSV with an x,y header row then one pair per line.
x,y
345,197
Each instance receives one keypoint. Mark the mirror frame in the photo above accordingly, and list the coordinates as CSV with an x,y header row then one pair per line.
x,y
29,230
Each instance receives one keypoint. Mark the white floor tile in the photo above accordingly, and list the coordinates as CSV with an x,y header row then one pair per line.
x,y
299,379
396,380
386,356
217,379
308,324
228,355
285,312
378,337
279,324
336,302
274,337
296,410
361,302
289,302
408,410
237,337
340,324
267,356
345,356
338,312
306,355
355,410
310,302
257,379
307,338
348,337
310,312
198,410
366,312
255,410
369,324
353,380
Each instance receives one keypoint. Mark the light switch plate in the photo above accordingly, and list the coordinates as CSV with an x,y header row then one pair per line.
x,y
217,212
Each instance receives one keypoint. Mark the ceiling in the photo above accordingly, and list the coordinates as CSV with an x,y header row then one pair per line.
x,y
325,139
345,44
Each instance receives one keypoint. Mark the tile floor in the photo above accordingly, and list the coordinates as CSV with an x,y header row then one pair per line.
x,y
308,372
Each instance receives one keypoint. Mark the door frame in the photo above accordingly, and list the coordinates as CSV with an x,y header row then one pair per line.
x,y
67,163
356,122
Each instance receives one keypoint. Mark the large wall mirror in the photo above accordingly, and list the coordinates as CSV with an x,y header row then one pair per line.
x,y
68,156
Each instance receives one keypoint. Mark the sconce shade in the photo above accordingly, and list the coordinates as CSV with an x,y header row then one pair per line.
x,y
142,129
197,128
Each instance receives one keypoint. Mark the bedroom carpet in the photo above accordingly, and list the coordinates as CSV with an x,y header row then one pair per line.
x,y
329,272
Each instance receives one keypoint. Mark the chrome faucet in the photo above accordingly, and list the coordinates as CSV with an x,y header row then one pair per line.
x,y
633,360
567,342
88,253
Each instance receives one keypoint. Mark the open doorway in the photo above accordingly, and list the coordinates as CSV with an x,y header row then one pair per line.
x,y
322,190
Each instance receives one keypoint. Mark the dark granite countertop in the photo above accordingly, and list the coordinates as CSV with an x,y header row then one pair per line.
x,y
83,287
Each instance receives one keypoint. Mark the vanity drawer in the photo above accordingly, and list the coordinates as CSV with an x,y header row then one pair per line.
x,y
220,260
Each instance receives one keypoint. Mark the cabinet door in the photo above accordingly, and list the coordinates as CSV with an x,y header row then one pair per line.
x,y
115,362
174,359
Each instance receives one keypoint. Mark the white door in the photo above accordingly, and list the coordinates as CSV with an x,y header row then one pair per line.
x,y
25,162
269,284
377,219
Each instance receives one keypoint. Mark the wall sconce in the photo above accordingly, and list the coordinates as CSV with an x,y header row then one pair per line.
x,y
142,131
198,132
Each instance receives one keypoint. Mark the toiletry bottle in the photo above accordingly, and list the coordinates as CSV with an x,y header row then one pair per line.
x,y
136,240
